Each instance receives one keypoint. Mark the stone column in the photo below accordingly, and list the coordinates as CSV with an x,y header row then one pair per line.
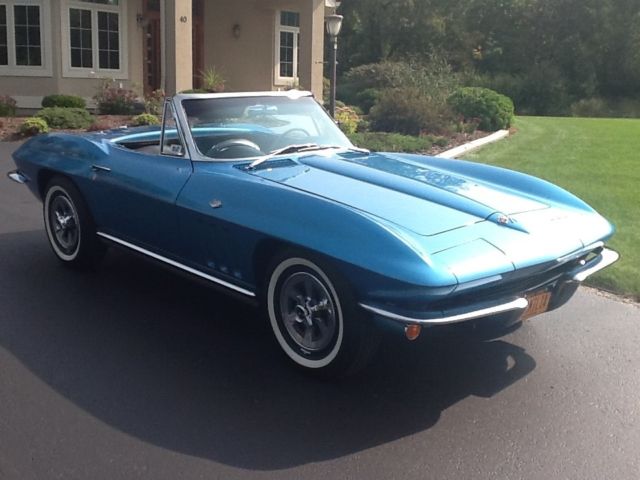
x,y
178,23
311,46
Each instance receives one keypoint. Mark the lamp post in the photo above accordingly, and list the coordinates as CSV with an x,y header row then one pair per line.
x,y
334,24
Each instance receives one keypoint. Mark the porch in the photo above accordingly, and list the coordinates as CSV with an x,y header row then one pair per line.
x,y
167,44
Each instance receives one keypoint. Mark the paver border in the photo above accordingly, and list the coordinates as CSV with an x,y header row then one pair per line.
x,y
474,145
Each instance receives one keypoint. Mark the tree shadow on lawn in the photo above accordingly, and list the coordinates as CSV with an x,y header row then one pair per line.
x,y
179,366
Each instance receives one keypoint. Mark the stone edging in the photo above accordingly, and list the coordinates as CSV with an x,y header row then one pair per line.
x,y
471,146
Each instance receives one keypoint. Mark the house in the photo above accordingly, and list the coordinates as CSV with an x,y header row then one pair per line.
x,y
71,46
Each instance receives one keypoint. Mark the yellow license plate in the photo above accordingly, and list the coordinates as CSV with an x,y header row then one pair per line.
x,y
538,303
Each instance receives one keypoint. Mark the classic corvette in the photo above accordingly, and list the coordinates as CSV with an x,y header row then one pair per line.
x,y
261,195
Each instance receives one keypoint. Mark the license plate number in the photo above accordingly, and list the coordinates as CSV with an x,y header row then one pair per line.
x,y
538,303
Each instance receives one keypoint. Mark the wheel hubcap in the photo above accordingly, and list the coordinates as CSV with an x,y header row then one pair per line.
x,y
308,311
64,221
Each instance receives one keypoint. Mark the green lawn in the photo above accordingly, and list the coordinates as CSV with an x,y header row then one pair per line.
x,y
596,159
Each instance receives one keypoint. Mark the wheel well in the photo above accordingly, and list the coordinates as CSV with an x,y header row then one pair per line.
x,y
269,248
44,177
264,252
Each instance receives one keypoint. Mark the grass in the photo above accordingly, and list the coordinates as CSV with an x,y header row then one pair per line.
x,y
596,159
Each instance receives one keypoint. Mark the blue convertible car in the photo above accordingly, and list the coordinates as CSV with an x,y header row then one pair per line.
x,y
262,195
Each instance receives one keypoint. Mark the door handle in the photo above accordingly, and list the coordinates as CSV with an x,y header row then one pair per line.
x,y
100,168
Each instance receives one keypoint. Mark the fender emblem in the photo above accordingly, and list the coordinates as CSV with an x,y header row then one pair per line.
x,y
503,220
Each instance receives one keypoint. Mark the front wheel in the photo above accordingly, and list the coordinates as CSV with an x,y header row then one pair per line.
x,y
69,225
315,319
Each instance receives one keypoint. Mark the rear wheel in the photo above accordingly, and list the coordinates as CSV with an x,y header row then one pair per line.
x,y
314,317
69,226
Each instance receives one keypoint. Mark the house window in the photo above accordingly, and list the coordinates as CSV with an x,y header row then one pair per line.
x,y
22,37
287,52
26,28
4,46
80,38
94,38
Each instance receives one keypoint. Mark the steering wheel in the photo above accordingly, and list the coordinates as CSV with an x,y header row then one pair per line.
x,y
296,133
235,148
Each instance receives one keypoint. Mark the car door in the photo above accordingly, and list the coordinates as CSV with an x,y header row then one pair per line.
x,y
134,193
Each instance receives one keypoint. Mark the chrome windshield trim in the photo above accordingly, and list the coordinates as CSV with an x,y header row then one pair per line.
x,y
606,258
450,317
17,177
173,263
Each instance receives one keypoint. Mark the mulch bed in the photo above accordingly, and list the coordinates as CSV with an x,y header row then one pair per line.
x,y
9,125
456,140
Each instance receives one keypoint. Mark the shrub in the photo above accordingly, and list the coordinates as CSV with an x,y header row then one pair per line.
x,y
145,119
367,98
409,111
64,101
112,99
71,118
432,76
7,106
492,110
348,119
154,101
606,107
391,142
195,90
33,126
212,80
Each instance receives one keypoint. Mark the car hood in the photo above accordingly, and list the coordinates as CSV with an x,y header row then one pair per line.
x,y
423,199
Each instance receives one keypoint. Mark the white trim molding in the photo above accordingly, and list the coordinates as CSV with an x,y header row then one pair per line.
x,y
43,70
95,71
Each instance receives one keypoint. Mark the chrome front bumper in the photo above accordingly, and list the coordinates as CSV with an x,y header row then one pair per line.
x,y
17,176
486,309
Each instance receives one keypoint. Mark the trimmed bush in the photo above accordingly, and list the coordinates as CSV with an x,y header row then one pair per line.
x,y
71,118
409,111
348,119
391,142
145,119
194,90
63,101
7,106
33,126
114,100
492,110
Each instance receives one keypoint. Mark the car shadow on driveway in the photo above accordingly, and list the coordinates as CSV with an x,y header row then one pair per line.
x,y
174,364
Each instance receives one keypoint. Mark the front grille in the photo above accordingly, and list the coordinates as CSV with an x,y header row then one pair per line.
x,y
512,284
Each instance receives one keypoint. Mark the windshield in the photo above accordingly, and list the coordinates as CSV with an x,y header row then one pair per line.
x,y
248,127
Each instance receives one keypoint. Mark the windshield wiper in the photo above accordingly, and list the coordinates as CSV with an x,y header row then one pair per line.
x,y
302,147
351,149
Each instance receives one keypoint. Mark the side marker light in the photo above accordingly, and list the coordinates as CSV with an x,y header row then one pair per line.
x,y
412,331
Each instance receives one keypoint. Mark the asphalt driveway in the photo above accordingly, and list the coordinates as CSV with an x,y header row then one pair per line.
x,y
132,372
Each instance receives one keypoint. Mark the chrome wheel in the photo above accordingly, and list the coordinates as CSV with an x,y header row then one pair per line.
x,y
308,311
69,225
64,219
62,223
305,312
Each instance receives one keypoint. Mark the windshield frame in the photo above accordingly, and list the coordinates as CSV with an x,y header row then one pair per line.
x,y
183,121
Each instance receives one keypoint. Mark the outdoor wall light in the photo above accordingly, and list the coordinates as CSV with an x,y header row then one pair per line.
x,y
141,20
